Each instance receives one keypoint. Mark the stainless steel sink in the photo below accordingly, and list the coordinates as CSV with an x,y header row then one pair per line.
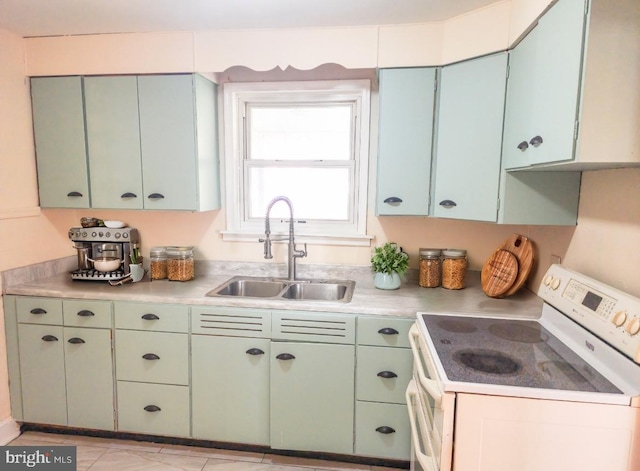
x,y
275,288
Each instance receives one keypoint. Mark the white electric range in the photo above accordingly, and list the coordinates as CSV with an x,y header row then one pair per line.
x,y
555,393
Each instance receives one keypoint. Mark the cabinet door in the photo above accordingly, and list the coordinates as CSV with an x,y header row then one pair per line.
x,y
382,430
312,397
89,375
113,139
544,89
58,125
405,133
230,398
168,141
469,139
42,373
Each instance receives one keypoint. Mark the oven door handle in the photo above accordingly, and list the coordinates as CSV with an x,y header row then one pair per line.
x,y
426,459
428,384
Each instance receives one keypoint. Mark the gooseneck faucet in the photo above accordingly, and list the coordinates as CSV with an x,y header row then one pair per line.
x,y
292,253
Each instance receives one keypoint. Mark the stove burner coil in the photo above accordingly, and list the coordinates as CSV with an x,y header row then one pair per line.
x,y
488,361
518,332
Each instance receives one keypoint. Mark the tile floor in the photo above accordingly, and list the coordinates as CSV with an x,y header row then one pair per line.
x,y
104,454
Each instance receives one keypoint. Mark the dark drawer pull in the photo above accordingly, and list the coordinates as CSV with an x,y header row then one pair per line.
x,y
285,356
50,338
392,200
156,196
388,331
254,351
385,429
74,194
128,194
524,145
150,356
75,340
38,310
152,408
536,141
85,313
387,374
150,317
448,204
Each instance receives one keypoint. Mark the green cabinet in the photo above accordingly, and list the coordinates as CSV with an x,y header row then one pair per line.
x,y
65,371
468,139
150,142
58,123
405,131
543,96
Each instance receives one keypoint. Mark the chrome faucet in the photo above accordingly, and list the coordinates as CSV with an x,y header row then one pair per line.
x,y
293,253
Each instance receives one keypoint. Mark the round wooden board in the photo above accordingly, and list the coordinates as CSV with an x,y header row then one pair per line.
x,y
522,248
499,273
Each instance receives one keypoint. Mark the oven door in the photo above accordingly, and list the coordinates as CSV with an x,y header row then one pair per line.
x,y
431,411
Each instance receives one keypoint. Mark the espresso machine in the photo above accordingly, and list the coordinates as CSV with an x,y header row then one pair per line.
x,y
102,243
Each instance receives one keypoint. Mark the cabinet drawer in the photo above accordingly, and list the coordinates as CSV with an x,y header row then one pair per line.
x,y
383,373
382,430
384,331
313,327
33,310
156,409
82,313
231,322
156,317
152,357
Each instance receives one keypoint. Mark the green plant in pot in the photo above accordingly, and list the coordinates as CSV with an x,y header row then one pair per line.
x,y
389,263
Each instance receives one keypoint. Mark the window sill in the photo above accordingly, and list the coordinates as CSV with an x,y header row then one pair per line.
x,y
346,240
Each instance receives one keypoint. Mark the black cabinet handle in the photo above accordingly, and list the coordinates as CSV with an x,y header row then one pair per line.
x,y
448,204
128,194
387,374
254,351
156,196
150,356
72,194
75,340
524,145
38,310
50,338
285,356
150,317
536,141
152,408
392,200
388,331
85,313
385,429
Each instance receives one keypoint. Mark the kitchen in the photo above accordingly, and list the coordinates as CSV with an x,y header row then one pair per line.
x,y
609,212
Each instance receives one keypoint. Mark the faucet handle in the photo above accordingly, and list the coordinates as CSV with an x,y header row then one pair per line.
x,y
301,253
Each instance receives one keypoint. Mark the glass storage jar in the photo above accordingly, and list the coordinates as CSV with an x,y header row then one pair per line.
x,y
180,264
158,263
454,268
430,268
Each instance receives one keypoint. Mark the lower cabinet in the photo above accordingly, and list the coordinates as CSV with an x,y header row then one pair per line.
x,y
382,430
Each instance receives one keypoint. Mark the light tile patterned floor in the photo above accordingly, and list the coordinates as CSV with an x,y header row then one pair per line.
x,y
104,454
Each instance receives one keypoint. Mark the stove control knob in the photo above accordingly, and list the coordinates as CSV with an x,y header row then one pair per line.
x,y
633,327
555,284
619,318
548,279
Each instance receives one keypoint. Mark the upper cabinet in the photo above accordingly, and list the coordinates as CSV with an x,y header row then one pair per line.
x,y
469,139
570,98
58,121
407,98
151,141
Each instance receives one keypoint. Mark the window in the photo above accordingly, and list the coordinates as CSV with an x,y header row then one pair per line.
x,y
304,140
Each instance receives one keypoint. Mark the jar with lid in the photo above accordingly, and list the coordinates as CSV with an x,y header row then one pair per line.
x,y
158,263
454,268
180,264
430,268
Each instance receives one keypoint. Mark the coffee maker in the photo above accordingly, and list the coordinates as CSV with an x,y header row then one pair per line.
x,y
94,243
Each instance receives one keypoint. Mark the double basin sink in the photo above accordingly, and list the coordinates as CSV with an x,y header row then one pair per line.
x,y
276,288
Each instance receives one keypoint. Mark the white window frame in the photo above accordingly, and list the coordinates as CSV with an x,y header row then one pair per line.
x,y
235,98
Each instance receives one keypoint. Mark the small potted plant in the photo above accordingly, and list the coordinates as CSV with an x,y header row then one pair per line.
x,y
389,263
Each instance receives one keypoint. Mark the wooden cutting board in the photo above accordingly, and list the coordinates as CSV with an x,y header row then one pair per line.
x,y
499,273
522,248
